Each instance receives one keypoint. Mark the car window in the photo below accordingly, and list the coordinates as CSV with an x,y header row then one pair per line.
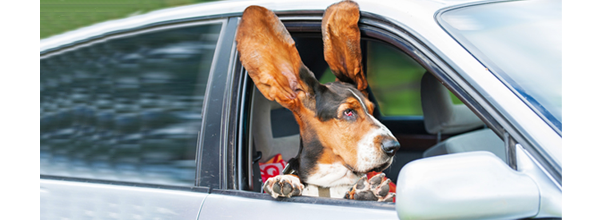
x,y
127,109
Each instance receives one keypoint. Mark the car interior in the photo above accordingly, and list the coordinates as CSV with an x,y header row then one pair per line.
x,y
438,123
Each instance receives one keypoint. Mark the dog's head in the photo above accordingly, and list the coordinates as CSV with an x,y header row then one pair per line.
x,y
336,116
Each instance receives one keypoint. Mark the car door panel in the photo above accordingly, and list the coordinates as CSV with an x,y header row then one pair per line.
x,y
219,206
80,200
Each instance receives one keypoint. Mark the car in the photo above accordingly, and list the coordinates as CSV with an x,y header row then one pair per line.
x,y
153,116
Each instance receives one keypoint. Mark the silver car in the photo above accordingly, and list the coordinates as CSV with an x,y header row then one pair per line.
x,y
154,117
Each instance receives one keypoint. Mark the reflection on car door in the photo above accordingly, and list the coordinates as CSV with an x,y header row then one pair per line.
x,y
120,119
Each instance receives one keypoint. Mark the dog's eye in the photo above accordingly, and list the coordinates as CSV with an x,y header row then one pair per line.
x,y
349,113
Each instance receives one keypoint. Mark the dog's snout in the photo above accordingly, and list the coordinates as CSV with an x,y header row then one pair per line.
x,y
390,146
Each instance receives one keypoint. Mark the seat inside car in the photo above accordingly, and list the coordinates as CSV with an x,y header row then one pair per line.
x,y
441,116
274,129
271,138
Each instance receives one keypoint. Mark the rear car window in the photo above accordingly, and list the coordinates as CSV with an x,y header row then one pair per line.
x,y
127,109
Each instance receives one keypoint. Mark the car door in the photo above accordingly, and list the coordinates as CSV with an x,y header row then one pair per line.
x,y
120,121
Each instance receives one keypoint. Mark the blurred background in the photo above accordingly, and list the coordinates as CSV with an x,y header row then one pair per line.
x,y
59,16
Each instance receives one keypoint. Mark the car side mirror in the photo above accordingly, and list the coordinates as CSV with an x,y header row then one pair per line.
x,y
472,185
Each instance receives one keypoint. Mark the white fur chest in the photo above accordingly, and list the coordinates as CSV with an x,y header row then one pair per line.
x,y
334,192
336,177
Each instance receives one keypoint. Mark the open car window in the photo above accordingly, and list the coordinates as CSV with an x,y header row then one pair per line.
x,y
395,86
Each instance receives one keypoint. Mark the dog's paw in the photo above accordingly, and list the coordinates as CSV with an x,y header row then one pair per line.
x,y
283,186
374,189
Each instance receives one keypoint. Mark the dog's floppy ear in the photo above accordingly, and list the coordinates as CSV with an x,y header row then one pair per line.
x,y
268,53
341,43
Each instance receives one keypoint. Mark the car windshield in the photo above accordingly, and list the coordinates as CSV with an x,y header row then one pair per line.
x,y
519,42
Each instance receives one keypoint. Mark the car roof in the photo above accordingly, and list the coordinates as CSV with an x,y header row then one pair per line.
x,y
402,11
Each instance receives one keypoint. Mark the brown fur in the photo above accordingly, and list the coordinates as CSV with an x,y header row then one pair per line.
x,y
270,56
341,43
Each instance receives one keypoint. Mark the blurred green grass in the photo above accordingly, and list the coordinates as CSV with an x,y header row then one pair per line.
x,y
59,16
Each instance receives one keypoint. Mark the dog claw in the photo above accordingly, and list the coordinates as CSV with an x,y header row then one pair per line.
x,y
283,186
388,198
373,190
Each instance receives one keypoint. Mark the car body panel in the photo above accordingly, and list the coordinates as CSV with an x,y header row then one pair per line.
x,y
218,206
550,204
81,200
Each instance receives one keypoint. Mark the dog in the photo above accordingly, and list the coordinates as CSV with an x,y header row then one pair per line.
x,y
340,139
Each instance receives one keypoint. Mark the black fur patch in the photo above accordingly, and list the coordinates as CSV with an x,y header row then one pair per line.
x,y
328,99
307,161
309,78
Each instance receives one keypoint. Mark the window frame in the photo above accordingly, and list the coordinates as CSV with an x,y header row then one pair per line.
x,y
212,142
195,187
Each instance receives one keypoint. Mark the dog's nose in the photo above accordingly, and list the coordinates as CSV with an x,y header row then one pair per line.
x,y
390,146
